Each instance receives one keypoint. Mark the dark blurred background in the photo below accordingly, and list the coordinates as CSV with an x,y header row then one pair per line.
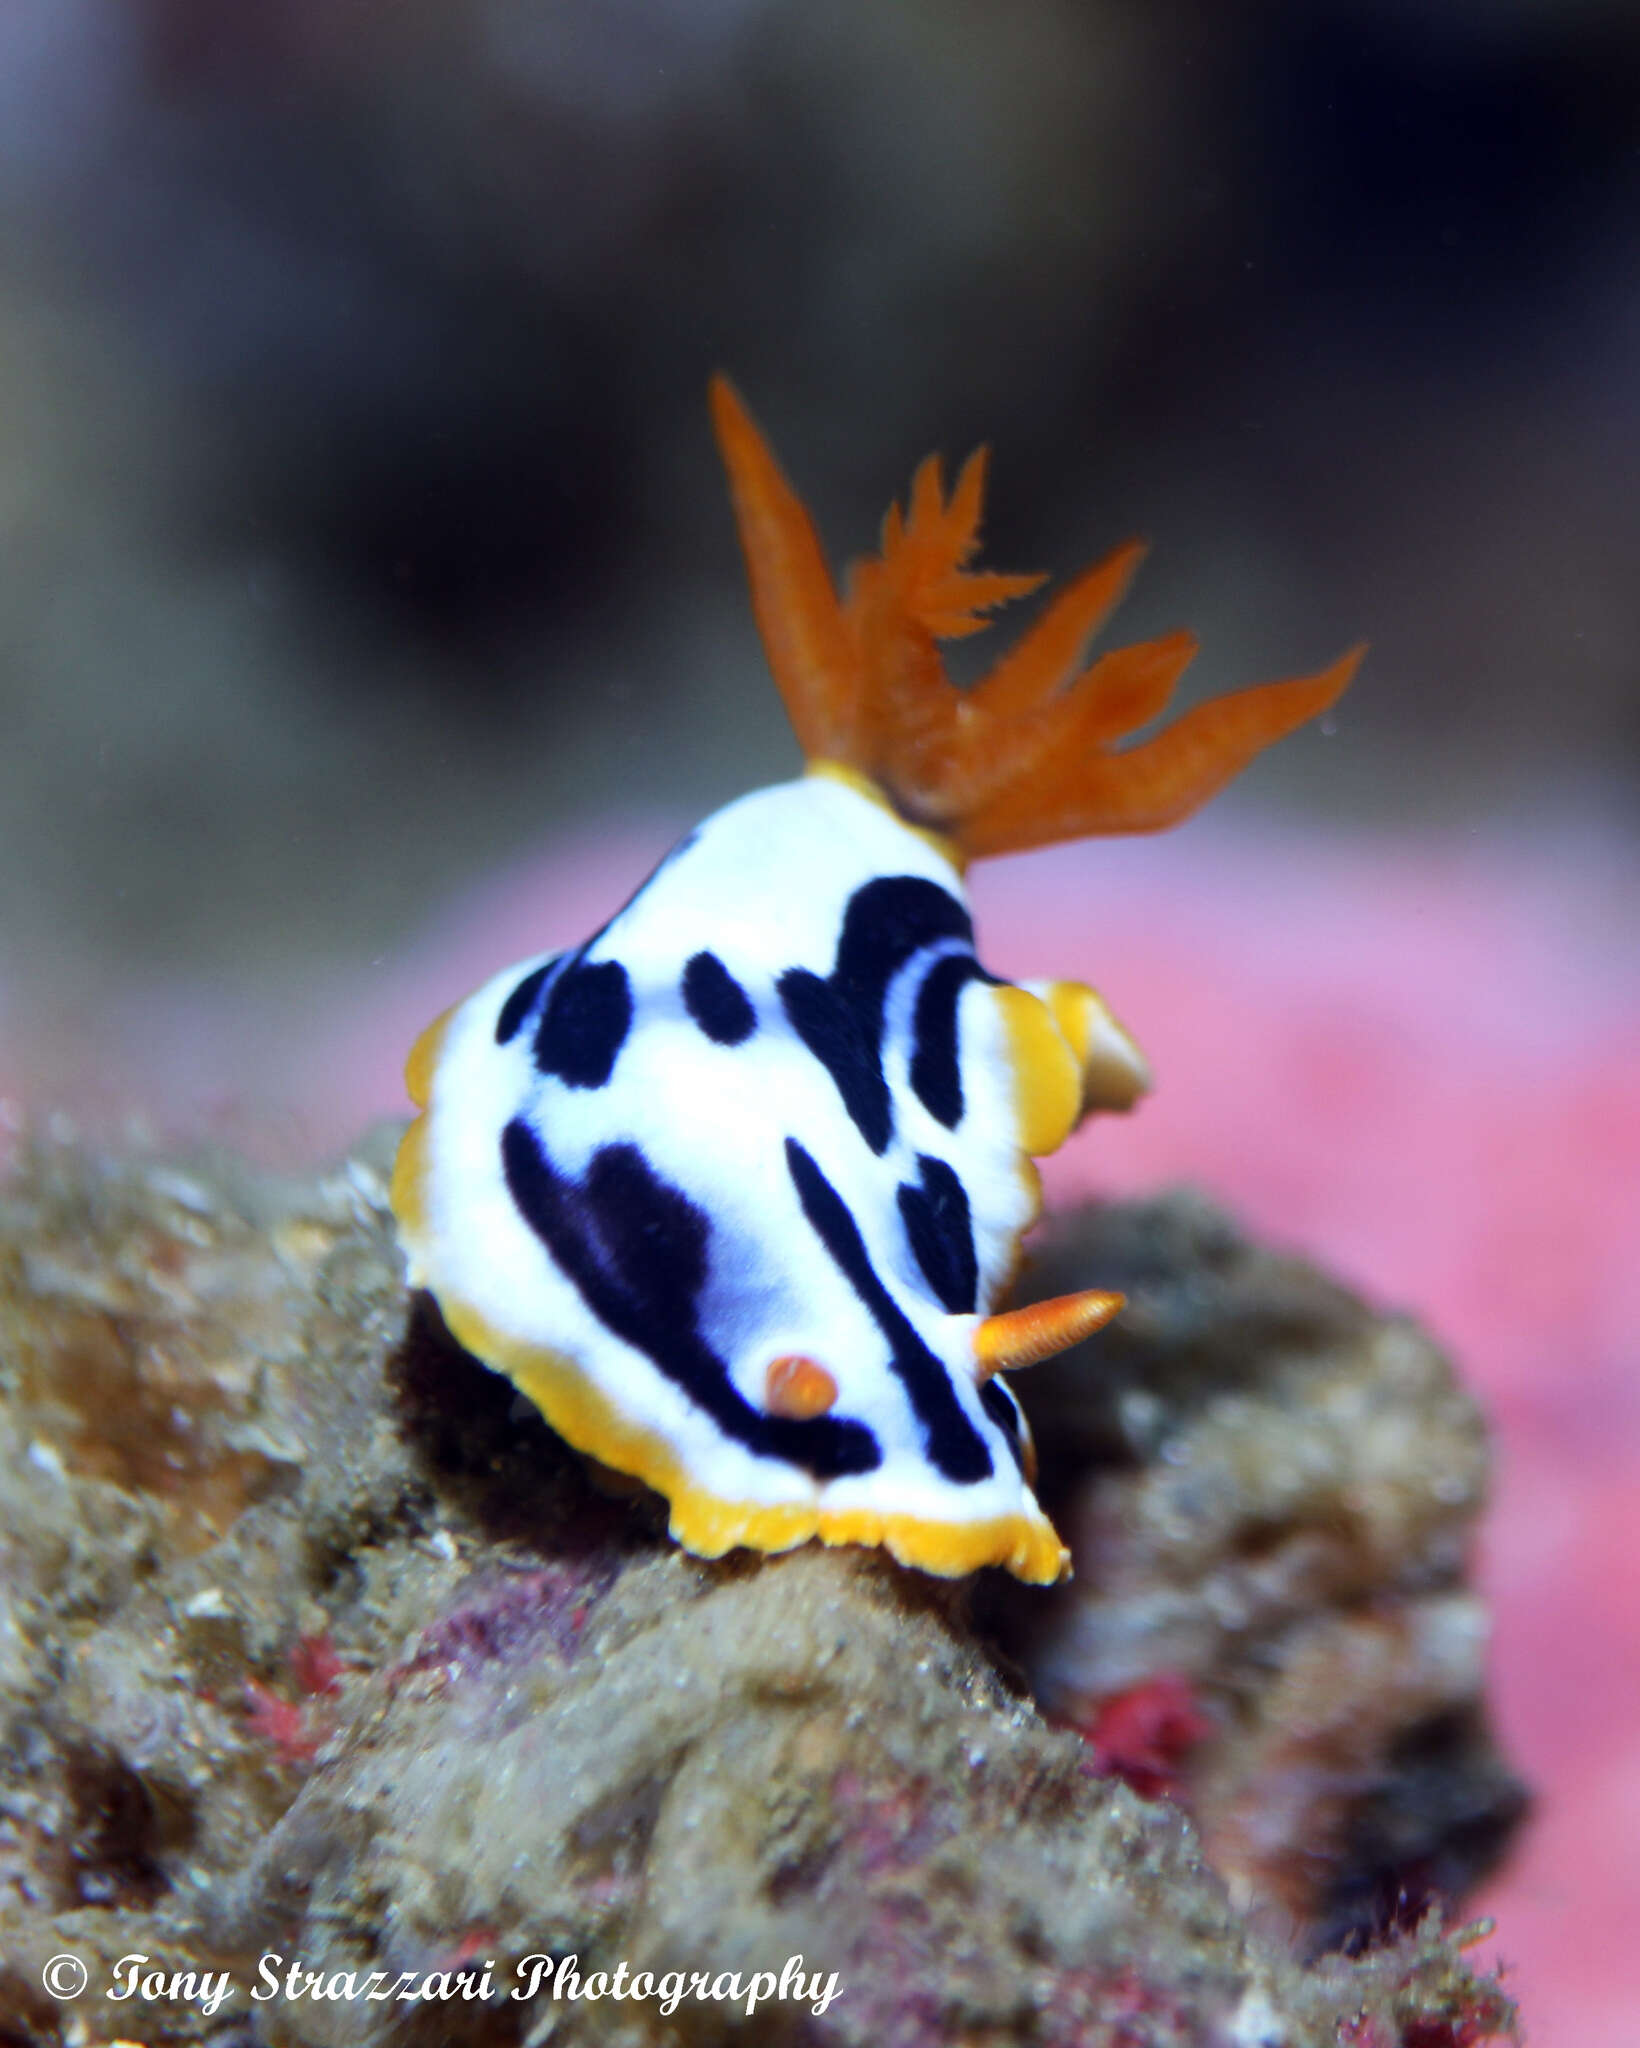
x,y
360,519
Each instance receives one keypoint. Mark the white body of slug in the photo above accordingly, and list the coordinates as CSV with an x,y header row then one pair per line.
x,y
729,1190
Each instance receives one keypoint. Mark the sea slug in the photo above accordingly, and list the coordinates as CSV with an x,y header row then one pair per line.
x,y
734,1190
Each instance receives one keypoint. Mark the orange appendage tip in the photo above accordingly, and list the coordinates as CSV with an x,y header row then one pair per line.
x,y
1025,1336
1027,756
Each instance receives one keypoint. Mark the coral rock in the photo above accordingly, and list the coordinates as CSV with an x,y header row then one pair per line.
x,y
1270,1494
347,1660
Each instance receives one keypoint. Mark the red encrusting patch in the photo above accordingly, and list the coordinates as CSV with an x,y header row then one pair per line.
x,y
888,1830
1365,2032
477,1941
296,1730
315,1666
1143,1735
511,1619
281,1723
1474,2027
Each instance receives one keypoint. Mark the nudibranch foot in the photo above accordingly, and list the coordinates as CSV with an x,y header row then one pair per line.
x,y
734,1191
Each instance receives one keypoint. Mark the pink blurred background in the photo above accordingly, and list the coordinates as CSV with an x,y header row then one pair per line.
x,y
370,612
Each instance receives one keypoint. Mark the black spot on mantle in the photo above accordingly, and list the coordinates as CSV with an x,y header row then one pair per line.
x,y
717,1002
520,1003
585,1023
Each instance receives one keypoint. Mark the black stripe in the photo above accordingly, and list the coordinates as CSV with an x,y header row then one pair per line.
x,y
936,1073
1003,1410
848,1045
939,1228
840,1018
953,1444
637,1250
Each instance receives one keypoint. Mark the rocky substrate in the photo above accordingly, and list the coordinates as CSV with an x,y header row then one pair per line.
x,y
316,1644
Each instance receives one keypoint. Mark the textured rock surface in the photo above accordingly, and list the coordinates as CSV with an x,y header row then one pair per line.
x,y
1271,1494
315,1641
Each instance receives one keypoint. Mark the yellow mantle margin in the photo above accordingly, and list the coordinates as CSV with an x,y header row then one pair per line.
x,y
1026,1545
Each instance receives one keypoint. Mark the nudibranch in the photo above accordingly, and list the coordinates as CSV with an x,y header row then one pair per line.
x,y
734,1190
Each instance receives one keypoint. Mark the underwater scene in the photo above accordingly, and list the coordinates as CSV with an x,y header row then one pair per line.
x,y
819,1024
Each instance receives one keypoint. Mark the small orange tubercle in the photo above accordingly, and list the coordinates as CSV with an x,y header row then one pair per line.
x,y
1025,1336
798,1388
1028,756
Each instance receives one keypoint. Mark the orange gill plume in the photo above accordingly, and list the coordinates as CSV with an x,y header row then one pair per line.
x,y
1030,754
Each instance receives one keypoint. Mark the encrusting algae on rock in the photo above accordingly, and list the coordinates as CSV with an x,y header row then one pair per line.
x,y
1271,1494
519,1721
734,1190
